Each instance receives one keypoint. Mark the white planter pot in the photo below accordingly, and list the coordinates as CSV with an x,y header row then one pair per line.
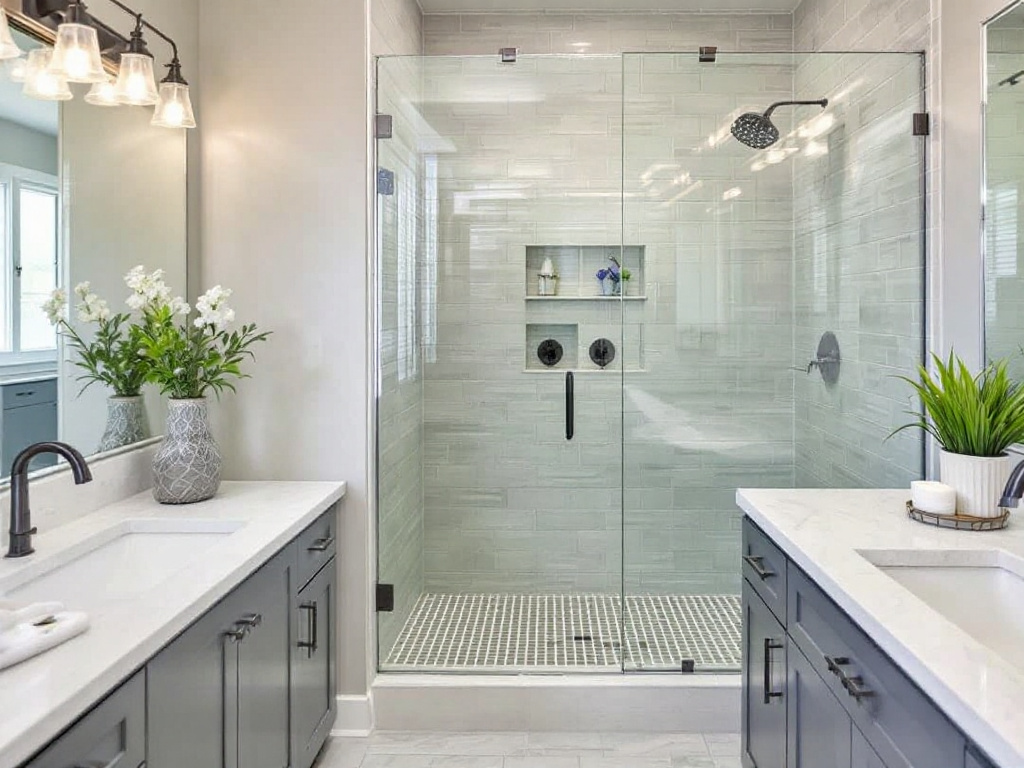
x,y
978,481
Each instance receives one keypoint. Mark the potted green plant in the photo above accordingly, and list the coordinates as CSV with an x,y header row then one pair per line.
x,y
110,357
975,418
189,357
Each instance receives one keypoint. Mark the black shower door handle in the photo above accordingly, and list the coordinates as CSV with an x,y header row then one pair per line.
x,y
570,406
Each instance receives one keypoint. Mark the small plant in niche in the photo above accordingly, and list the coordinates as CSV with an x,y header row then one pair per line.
x,y
612,277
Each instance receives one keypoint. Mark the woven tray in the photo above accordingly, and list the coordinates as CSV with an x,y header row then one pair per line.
x,y
959,522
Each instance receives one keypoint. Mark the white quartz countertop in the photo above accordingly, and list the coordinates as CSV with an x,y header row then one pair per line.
x,y
42,696
823,532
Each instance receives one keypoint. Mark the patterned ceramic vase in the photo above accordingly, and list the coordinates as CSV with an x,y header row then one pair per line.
x,y
187,467
126,423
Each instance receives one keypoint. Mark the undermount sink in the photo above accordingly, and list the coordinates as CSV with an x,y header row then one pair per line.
x,y
981,591
115,563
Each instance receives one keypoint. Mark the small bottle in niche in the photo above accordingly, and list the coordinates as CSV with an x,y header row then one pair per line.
x,y
547,279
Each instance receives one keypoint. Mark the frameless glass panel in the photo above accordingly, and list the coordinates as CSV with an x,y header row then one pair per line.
x,y
499,416
37,265
1004,193
784,293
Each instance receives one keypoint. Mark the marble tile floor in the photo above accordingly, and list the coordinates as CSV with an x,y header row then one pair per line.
x,y
393,749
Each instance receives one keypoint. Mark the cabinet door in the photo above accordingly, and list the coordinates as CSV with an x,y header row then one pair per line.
x,y
819,728
192,695
25,426
313,674
764,681
263,605
863,755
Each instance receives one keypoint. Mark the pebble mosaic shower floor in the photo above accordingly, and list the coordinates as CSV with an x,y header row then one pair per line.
x,y
510,633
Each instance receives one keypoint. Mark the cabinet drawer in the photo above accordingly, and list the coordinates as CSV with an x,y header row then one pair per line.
x,y
315,546
900,723
30,393
112,735
764,566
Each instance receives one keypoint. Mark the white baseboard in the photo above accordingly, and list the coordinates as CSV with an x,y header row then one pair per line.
x,y
355,716
614,703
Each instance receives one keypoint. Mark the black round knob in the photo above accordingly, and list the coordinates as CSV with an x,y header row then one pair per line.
x,y
549,352
602,352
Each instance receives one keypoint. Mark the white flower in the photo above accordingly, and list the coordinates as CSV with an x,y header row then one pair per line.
x,y
54,306
148,291
82,289
92,309
213,309
179,306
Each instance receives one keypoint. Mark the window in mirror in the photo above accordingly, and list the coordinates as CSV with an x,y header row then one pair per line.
x,y
31,261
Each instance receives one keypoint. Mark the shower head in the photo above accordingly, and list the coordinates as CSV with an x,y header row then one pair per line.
x,y
758,131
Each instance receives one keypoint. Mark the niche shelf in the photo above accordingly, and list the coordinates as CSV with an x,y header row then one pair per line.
x,y
577,266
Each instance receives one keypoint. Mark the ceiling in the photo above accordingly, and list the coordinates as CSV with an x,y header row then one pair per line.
x,y
14,106
585,6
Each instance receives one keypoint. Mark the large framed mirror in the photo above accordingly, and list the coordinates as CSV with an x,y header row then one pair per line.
x,y
1004,188
86,193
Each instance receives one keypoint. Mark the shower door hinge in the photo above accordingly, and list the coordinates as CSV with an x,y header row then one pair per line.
x,y
383,126
922,124
385,598
708,54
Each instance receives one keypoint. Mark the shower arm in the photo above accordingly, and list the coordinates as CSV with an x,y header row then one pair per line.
x,y
820,103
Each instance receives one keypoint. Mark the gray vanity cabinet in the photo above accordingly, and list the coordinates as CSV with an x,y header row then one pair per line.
x,y
29,415
764,683
847,704
313,671
218,694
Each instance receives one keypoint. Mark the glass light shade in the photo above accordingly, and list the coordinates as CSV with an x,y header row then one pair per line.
x,y
175,107
40,82
8,48
136,84
76,54
104,94
16,69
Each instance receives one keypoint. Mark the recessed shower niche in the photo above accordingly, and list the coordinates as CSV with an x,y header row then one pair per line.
x,y
577,268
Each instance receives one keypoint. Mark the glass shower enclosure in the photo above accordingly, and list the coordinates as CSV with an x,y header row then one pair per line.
x,y
599,313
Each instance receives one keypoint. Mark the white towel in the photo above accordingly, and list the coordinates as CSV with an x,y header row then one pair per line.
x,y
26,631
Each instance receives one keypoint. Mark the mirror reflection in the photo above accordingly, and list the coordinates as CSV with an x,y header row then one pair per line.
x,y
1004,192
86,194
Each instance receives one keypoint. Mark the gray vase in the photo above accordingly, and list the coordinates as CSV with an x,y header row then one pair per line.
x,y
187,467
126,423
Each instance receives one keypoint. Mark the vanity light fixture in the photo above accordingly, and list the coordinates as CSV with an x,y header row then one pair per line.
x,y
175,107
76,52
104,94
136,83
8,48
41,82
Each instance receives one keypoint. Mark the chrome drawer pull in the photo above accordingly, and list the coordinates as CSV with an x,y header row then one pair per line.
x,y
757,563
321,545
769,646
855,687
237,634
251,620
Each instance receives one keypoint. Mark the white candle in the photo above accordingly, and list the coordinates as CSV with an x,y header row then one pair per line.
x,y
929,496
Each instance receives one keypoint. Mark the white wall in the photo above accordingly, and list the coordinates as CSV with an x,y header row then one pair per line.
x,y
28,148
284,216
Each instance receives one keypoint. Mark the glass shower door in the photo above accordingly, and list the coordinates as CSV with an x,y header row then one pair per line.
x,y
500,359
749,258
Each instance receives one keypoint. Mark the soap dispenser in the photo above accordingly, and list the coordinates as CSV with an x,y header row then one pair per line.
x,y
547,279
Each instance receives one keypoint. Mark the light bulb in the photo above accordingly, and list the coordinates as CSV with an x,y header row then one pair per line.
x,y
8,48
40,81
136,84
175,107
103,94
76,53
16,69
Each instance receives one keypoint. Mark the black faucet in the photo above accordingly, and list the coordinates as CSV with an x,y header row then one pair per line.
x,y
1014,488
20,543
